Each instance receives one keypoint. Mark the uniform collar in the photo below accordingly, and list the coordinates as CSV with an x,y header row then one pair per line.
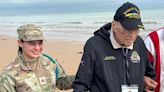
x,y
114,42
23,63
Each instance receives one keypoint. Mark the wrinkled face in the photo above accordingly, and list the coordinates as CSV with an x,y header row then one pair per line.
x,y
31,49
124,37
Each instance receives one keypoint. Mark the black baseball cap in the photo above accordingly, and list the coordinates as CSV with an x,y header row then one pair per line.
x,y
129,16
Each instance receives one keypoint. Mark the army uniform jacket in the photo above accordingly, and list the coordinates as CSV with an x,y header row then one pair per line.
x,y
17,77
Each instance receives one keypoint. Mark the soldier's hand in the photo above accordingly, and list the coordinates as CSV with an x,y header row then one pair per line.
x,y
149,84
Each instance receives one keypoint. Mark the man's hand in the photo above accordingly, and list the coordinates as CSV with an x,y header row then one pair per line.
x,y
149,84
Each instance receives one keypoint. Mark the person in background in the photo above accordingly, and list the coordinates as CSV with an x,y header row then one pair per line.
x,y
32,71
115,59
155,45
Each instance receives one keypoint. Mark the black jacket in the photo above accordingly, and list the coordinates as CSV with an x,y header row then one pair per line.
x,y
103,68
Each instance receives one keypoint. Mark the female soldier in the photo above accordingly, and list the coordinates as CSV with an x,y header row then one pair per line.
x,y
32,71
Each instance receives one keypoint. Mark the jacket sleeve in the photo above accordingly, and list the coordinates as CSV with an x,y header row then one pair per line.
x,y
150,72
64,81
7,83
85,72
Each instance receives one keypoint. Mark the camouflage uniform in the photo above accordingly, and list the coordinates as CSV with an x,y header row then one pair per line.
x,y
18,77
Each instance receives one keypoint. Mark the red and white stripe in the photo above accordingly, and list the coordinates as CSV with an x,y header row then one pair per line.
x,y
155,45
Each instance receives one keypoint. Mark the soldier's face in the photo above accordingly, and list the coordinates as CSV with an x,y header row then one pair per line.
x,y
31,49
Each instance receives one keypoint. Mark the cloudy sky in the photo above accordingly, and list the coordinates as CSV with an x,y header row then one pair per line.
x,y
9,7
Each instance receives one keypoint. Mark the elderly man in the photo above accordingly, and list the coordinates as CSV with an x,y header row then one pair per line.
x,y
115,59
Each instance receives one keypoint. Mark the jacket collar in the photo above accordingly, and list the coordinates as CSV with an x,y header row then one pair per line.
x,y
23,63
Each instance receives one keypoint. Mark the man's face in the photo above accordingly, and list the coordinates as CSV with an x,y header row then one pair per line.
x,y
31,49
123,36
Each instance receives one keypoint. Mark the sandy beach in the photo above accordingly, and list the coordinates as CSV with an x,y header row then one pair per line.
x,y
68,53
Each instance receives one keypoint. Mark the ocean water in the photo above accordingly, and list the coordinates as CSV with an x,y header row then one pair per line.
x,y
76,26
